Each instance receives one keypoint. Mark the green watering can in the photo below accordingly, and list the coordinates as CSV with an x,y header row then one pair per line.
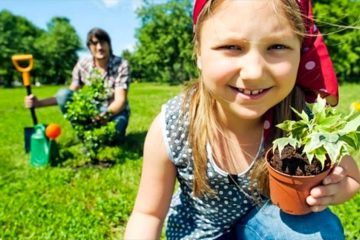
x,y
43,147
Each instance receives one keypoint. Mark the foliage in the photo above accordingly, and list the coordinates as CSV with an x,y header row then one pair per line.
x,y
54,49
89,202
338,20
17,36
326,133
164,49
57,51
84,113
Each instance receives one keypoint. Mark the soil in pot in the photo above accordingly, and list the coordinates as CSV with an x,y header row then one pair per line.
x,y
292,163
291,178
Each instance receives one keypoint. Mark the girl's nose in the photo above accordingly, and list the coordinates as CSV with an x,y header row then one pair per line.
x,y
251,66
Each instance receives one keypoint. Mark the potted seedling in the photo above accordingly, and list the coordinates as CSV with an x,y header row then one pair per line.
x,y
312,146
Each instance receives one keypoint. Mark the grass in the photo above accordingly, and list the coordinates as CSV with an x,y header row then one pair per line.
x,y
89,202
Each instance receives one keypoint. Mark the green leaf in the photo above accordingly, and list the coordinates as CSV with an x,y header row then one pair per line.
x,y
319,106
321,157
314,143
281,143
351,126
329,137
302,115
333,150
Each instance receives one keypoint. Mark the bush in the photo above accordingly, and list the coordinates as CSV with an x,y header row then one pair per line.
x,y
92,126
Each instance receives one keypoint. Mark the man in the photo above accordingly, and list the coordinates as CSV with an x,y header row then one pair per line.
x,y
115,72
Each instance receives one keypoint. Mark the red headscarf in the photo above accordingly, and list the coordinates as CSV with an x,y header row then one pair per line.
x,y
316,73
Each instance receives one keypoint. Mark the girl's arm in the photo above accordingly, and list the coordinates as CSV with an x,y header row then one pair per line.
x,y
342,184
155,190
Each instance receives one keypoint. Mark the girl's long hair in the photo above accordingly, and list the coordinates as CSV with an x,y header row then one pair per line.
x,y
202,110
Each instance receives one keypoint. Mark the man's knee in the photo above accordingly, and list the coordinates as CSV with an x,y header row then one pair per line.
x,y
63,96
122,122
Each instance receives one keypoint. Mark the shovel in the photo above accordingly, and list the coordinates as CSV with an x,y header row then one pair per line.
x,y
26,59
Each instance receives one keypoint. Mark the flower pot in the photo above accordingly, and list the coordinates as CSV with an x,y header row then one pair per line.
x,y
289,192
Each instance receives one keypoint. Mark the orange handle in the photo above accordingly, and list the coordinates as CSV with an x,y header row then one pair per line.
x,y
25,70
26,78
21,58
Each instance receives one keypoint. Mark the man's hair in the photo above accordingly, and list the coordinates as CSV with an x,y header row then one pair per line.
x,y
101,35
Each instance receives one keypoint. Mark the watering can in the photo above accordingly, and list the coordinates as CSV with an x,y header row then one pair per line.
x,y
28,60
43,147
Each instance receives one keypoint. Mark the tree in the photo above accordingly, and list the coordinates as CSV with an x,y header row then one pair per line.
x,y
17,36
164,49
337,20
57,51
54,51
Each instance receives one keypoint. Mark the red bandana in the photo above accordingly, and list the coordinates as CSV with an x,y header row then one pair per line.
x,y
316,73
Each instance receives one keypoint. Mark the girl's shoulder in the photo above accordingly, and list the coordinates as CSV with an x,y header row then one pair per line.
x,y
176,112
176,123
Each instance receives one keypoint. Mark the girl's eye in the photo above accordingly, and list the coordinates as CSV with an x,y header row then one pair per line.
x,y
278,47
231,47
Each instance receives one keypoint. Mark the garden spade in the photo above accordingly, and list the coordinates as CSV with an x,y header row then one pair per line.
x,y
24,63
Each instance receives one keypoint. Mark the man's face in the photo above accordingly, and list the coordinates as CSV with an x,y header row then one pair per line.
x,y
100,50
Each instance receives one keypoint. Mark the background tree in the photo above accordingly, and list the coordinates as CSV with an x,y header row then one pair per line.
x,y
17,36
339,22
58,55
54,50
163,52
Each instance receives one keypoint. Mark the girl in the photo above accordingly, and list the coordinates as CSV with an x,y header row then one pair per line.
x,y
256,59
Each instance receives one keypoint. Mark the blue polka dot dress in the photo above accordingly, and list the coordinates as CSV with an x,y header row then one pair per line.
x,y
205,217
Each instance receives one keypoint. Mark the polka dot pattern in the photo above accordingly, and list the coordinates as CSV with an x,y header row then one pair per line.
x,y
310,65
205,217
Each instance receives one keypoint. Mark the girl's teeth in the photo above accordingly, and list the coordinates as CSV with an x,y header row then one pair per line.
x,y
249,92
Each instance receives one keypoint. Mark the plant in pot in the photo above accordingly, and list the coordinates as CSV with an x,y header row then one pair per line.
x,y
312,146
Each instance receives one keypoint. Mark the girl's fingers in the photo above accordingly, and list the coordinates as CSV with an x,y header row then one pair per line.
x,y
319,203
325,190
318,208
335,176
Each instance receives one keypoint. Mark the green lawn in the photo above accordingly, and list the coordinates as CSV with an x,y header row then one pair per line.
x,y
89,202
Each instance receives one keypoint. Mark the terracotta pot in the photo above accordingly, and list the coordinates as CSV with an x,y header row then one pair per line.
x,y
289,192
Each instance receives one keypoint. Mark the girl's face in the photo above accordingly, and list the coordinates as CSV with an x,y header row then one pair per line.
x,y
248,57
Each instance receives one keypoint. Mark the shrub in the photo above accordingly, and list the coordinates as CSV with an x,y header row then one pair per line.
x,y
92,126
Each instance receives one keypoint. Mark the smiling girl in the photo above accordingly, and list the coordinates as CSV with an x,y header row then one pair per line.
x,y
256,59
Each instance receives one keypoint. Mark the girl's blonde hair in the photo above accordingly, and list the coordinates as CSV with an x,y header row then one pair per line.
x,y
202,112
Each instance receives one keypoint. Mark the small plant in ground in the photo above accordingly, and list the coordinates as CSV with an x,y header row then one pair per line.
x,y
92,126
323,134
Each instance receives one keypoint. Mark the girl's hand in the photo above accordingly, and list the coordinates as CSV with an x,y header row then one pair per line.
x,y
323,195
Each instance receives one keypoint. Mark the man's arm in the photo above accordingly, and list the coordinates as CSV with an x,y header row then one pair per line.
x,y
119,102
32,101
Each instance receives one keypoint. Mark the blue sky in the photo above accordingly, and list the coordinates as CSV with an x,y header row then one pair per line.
x,y
117,17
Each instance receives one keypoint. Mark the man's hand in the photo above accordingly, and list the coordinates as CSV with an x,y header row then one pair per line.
x,y
31,101
102,118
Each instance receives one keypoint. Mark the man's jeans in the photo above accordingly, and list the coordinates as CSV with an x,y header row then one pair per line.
x,y
270,223
121,119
